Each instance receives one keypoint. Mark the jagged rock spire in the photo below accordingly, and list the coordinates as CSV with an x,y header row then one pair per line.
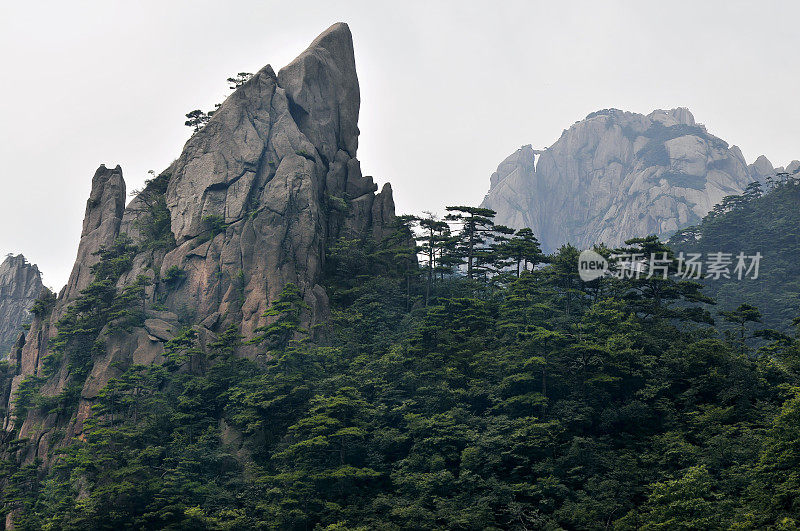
x,y
101,223
324,97
247,206
20,285
266,164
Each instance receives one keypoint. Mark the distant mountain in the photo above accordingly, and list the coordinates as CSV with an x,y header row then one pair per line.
x,y
20,285
616,175
250,344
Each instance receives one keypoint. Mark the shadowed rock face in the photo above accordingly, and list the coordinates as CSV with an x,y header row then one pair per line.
x,y
20,285
616,175
248,209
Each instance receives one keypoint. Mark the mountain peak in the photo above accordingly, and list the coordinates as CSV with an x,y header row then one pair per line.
x,y
20,285
322,87
616,175
250,206
678,115
101,223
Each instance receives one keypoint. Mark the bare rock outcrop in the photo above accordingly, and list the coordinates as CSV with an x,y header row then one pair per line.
x,y
101,222
617,175
20,285
265,169
250,205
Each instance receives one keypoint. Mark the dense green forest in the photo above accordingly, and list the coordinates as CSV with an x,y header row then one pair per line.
x,y
482,386
764,221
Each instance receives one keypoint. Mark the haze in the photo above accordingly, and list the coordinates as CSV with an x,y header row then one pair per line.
x,y
448,90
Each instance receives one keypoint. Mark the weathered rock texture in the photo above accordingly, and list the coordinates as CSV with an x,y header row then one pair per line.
x,y
253,201
101,222
20,285
616,175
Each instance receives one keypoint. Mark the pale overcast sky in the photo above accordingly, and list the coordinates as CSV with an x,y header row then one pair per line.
x,y
448,89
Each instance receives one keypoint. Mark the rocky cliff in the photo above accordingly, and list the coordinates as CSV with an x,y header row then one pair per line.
x,y
20,284
616,175
250,205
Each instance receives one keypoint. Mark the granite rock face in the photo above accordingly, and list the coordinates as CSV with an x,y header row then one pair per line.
x,y
251,204
20,285
616,175
101,222
267,165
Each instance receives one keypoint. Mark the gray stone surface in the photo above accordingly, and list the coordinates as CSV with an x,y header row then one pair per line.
x,y
267,167
616,175
104,210
160,330
20,285
267,163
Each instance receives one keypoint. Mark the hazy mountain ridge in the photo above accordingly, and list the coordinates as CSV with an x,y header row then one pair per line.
x,y
617,175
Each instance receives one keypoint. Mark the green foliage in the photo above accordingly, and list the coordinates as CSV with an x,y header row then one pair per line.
x,y
742,315
285,315
338,204
197,119
776,489
227,343
434,241
688,502
99,306
754,223
153,220
537,401
239,79
214,225
181,349
27,395
473,241
173,276
44,304
523,250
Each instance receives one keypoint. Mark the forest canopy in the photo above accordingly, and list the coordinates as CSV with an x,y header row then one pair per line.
x,y
482,385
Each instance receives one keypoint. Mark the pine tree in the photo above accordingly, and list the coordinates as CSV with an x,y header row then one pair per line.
x,y
474,237
523,249
433,243
197,119
239,79
753,191
285,314
650,287
742,315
